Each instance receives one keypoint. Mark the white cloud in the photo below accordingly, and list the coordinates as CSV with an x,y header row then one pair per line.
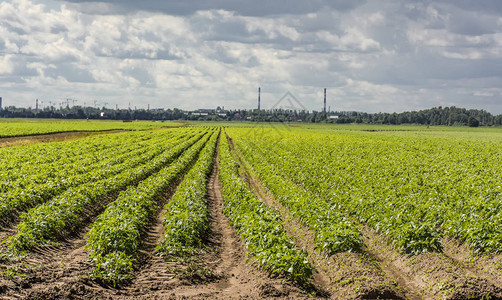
x,y
372,56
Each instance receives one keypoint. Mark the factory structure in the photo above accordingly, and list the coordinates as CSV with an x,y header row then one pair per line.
x,y
288,93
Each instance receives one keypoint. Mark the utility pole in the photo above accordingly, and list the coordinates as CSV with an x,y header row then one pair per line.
x,y
259,92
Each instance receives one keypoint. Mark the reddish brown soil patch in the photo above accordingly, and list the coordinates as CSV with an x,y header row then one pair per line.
x,y
52,137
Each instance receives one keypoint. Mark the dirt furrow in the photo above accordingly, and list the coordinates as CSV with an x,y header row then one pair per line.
x,y
52,271
431,275
343,275
220,271
154,276
485,266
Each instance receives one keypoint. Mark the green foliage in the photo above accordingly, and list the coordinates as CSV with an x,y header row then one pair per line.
x,y
118,228
113,267
333,232
186,219
412,187
473,122
259,226
53,220
24,127
54,168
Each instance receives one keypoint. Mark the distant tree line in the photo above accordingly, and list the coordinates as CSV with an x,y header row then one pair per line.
x,y
450,116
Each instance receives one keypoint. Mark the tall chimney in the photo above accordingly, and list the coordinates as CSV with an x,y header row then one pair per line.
x,y
0,103
324,100
259,92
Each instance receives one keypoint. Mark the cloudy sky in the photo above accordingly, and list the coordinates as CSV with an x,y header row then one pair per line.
x,y
372,56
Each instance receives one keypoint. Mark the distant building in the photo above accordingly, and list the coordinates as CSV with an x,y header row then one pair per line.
x,y
332,117
206,110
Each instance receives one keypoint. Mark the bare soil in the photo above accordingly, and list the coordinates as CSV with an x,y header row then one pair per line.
x,y
431,275
52,137
487,266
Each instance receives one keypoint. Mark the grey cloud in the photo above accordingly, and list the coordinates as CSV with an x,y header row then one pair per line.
x,y
243,7
488,7
70,72
141,75
58,29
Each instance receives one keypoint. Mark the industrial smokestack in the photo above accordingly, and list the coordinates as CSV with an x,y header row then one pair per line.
x,y
259,92
36,107
0,103
324,100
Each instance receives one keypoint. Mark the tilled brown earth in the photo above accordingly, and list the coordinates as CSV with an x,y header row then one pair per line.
x,y
50,137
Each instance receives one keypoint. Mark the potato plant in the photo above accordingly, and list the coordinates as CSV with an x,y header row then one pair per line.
x,y
115,236
53,220
186,220
259,225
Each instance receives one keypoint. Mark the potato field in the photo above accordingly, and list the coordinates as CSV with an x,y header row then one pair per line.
x,y
249,210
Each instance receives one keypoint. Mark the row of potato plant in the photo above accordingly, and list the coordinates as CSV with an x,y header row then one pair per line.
x,y
106,164
186,219
46,155
333,231
67,156
115,236
413,189
326,176
259,225
65,213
